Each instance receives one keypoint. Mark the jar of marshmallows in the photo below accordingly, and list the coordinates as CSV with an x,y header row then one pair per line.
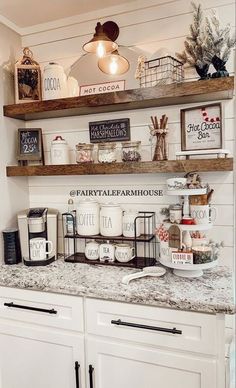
x,y
107,152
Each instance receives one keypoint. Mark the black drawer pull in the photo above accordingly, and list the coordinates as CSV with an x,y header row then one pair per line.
x,y
155,328
91,369
21,306
77,366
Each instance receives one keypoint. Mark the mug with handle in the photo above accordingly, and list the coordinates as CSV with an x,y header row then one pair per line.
x,y
124,253
38,249
203,214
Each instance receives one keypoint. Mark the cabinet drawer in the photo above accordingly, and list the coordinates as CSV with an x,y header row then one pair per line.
x,y
54,310
154,326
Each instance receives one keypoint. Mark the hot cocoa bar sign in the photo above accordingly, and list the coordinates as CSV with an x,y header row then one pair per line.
x,y
201,128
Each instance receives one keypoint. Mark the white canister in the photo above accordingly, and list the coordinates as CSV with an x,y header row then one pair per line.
x,y
107,252
129,221
87,217
92,250
54,82
59,151
111,220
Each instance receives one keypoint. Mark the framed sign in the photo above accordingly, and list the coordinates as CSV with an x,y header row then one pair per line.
x,y
201,127
30,145
109,130
106,87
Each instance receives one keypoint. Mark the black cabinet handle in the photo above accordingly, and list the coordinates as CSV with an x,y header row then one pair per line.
x,y
91,369
21,306
155,328
77,366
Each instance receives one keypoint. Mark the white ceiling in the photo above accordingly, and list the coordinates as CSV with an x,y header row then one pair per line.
x,y
26,13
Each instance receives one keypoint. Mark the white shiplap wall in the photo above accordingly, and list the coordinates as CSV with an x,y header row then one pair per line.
x,y
147,26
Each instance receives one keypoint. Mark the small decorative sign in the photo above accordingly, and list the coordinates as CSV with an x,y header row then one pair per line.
x,y
30,144
106,87
182,258
201,128
174,237
109,130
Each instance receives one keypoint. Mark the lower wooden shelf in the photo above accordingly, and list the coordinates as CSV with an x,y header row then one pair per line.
x,y
201,165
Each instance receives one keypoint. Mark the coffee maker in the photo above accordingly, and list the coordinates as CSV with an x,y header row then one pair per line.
x,y
37,222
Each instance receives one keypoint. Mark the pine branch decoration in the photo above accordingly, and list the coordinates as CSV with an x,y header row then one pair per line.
x,y
195,45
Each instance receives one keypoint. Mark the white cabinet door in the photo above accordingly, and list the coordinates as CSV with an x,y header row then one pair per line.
x,y
122,365
39,358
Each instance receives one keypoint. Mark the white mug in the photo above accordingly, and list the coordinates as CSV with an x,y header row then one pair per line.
x,y
166,251
202,214
124,253
38,248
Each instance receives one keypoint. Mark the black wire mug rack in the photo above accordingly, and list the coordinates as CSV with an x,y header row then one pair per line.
x,y
144,245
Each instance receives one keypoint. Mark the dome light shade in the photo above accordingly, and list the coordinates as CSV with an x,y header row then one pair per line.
x,y
100,44
113,64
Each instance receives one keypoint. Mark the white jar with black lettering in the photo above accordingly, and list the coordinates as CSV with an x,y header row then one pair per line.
x,y
87,217
59,151
131,224
54,82
111,220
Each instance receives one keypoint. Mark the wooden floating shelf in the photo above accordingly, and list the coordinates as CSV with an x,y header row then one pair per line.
x,y
173,94
168,166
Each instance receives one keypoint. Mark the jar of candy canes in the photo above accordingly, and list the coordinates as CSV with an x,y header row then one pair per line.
x,y
84,153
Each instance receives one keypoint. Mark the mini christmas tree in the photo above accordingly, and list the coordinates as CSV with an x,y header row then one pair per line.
x,y
196,50
219,43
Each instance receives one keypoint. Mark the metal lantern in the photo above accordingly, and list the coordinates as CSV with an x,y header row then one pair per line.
x,y
27,78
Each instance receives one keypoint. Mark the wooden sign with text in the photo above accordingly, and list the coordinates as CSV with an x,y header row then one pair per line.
x,y
30,145
109,130
201,128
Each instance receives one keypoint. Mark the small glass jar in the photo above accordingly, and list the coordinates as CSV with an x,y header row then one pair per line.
x,y
175,213
130,151
106,152
84,153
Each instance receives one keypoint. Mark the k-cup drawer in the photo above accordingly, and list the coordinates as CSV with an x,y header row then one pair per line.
x,y
188,331
42,308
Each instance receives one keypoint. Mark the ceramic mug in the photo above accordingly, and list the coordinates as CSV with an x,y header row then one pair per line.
x,y
124,253
166,251
202,214
38,248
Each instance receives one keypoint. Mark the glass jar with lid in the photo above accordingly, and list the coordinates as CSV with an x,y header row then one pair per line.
x,y
84,153
131,151
106,152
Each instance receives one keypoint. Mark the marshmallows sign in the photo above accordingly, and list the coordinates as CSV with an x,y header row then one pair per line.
x,y
201,128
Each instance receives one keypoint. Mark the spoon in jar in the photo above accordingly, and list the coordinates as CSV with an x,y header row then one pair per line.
x,y
147,271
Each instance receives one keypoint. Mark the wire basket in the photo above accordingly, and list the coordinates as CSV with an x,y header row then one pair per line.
x,y
161,71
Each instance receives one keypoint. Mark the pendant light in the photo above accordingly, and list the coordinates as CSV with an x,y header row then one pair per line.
x,y
113,64
103,39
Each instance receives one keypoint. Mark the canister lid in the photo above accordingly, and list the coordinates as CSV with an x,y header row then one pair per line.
x,y
52,64
59,140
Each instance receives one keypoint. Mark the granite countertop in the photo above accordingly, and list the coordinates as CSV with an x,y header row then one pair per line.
x,y
212,293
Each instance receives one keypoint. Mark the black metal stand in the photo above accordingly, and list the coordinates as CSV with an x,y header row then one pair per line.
x,y
144,245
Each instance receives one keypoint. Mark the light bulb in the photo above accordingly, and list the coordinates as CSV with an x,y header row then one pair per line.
x,y
101,51
113,66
